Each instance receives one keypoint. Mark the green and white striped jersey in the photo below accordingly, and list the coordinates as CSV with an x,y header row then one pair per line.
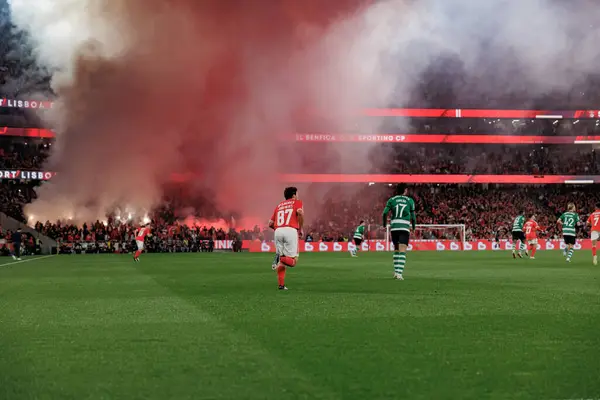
x,y
403,213
359,233
569,222
518,223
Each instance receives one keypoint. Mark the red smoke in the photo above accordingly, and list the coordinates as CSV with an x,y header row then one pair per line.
x,y
203,88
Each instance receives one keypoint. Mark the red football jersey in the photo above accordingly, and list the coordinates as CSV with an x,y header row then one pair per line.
x,y
141,233
531,227
286,214
594,220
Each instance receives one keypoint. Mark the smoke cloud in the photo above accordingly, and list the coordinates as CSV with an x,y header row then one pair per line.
x,y
206,88
146,88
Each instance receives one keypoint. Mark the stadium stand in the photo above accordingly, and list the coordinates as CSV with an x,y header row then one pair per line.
x,y
486,210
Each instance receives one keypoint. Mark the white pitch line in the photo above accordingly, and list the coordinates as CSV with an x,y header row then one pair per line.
x,y
27,260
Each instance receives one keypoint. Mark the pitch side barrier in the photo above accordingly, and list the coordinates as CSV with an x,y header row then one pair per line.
x,y
415,245
256,246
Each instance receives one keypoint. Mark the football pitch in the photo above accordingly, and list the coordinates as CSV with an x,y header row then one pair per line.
x,y
214,326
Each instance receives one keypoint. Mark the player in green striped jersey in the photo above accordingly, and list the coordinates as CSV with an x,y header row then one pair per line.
x,y
568,221
358,237
403,220
518,236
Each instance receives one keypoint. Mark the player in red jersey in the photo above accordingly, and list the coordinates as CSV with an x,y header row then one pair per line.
x,y
531,229
140,235
287,221
594,221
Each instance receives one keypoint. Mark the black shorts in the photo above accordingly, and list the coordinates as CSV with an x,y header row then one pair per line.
x,y
357,241
400,237
518,236
570,240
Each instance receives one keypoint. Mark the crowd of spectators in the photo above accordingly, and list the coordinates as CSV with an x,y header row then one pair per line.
x,y
119,235
451,159
487,126
487,212
23,153
13,195
481,159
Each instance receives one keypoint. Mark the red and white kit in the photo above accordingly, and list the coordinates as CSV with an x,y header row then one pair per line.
x,y
285,218
140,235
531,228
594,220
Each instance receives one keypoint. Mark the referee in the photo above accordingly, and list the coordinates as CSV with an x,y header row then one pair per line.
x,y
16,240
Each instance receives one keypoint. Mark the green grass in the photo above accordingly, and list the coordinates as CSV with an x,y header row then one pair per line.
x,y
213,326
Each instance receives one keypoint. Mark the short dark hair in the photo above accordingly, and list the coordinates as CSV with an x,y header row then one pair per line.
x,y
362,221
401,188
289,192
522,212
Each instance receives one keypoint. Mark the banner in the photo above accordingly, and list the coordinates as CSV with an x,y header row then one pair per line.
x,y
365,178
480,113
26,175
444,138
27,132
255,246
26,104
398,112
380,138
441,178
415,245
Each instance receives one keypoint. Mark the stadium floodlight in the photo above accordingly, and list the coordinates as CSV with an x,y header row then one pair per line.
x,y
579,182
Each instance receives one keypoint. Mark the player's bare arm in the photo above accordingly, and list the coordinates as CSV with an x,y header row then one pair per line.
x,y
300,213
272,224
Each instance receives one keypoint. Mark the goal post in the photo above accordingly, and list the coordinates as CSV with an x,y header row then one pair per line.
x,y
454,232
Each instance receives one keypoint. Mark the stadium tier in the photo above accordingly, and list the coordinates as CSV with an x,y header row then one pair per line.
x,y
480,113
396,112
381,138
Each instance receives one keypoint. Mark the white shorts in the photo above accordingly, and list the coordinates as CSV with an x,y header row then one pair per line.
x,y
286,241
532,241
595,235
140,244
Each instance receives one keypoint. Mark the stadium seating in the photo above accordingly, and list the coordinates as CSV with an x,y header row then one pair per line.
x,y
487,211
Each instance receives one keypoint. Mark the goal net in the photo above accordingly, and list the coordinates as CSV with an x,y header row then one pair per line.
x,y
428,232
